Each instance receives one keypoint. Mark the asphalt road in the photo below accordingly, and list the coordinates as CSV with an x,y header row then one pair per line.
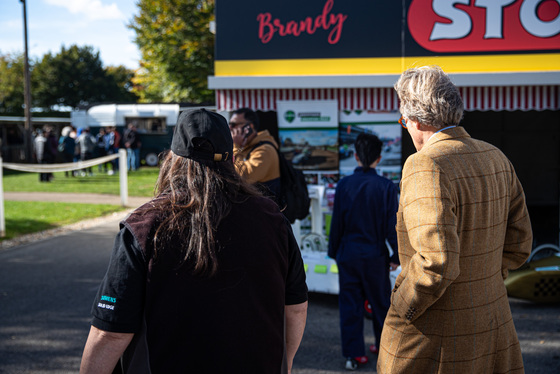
x,y
47,288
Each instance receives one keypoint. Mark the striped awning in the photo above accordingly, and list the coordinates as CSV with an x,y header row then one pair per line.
x,y
511,98
385,99
378,99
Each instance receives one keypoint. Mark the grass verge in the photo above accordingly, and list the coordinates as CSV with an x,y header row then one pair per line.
x,y
25,217
140,183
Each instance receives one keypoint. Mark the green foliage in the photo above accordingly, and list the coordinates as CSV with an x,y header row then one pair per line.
x,y
11,84
121,83
72,77
177,50
76,76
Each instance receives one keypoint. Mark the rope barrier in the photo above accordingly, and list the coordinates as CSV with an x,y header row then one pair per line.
x,y
68,166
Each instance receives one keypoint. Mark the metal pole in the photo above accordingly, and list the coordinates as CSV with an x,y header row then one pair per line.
x,y
27,88
2,217
123,177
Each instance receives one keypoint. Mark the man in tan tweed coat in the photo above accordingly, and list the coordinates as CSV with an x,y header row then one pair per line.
x,y
462,224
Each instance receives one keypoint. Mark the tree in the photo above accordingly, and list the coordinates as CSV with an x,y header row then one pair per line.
x,y
75,76
121,82
177,50
72,77
11,84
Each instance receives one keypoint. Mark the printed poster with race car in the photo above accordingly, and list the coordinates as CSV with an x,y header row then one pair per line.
x,y
308,132
382,124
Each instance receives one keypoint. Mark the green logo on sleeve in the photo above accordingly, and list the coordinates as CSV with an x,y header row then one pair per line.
x,y
109,299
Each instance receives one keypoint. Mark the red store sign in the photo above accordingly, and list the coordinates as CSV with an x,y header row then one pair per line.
x,y
485,25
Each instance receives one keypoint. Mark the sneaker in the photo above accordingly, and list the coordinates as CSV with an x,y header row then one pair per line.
x,y
351,364
361,360
373,349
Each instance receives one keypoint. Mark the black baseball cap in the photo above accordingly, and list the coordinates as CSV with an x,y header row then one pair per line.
x,y
195,126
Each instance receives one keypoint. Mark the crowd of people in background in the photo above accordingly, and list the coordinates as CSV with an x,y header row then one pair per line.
x,y
80,144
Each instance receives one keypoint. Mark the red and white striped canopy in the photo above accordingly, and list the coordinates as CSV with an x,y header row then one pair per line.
x,y
382,99
511,98
385,99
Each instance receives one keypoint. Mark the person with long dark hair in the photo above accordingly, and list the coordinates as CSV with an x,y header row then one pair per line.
x,y
205,278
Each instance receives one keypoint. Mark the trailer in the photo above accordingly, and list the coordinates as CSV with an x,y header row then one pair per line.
x,y
154,123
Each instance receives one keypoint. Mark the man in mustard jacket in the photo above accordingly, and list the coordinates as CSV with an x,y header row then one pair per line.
x,y
255,155
462,224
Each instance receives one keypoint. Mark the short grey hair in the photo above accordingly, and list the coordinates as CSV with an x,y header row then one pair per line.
x,y
428,96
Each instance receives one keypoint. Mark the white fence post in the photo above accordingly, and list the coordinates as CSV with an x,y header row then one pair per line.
x,y
2,218
123,176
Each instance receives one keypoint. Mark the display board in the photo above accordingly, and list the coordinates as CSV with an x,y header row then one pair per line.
x,y
385,127
308,132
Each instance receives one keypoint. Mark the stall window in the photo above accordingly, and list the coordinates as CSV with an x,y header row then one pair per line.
x,y
149,125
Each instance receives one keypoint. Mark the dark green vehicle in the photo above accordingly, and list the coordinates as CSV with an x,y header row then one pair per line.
x,y
155,124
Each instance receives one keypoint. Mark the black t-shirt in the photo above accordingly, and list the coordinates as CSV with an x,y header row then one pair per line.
x,y
232,322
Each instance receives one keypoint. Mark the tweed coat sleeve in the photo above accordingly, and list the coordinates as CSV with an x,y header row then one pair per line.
x,y
427,209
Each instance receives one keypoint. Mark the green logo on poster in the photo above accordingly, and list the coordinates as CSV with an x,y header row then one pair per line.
x,y
290,116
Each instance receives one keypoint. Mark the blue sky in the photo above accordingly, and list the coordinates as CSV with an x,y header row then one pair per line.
x,y
53,23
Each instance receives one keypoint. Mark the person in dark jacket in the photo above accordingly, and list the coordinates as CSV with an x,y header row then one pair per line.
x,y
67,147
100,150
364,218
86,144
49,152
207,239
39,146
132,145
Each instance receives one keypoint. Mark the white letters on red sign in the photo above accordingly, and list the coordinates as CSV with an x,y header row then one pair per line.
x,y
533,24
460,25
461,22
494,16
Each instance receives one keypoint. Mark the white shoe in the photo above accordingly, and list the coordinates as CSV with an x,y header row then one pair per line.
x,y
110,172
351,364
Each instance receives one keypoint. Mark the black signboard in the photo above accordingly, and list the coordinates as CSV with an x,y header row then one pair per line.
x,y
318,29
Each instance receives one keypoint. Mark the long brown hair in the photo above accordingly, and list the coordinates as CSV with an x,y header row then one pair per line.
x,y
192,198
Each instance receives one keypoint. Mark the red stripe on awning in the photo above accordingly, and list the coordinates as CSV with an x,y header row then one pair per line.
x,y
385,99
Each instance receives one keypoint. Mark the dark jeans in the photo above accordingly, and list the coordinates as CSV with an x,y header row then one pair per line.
x,y
44,177
84,157
67,158
360,280
101,152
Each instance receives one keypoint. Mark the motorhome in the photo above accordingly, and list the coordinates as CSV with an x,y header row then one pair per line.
x,y
155,124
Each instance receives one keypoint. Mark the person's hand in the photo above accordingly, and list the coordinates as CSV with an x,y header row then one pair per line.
x,y
393,266
238,136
